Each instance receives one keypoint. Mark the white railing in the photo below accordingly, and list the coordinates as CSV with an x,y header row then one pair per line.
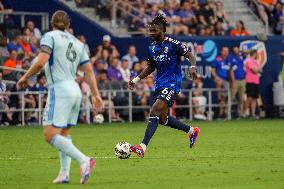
x,y
44,18
130,107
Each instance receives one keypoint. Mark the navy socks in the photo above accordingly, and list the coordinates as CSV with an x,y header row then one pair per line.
x,y
176,124
151,129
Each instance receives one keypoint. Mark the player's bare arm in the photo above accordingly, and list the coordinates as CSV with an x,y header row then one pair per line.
x,y
192,60
37,66
147,71
92,82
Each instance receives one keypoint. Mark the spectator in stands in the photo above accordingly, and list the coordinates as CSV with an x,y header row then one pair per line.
x,y
11,62
124,70
25,43
174,20
205,14
113,52
84,41
279,16
136,69
4,99
219,30
99,66
14,44
35,31
4,53
30,103
140,21
151,2
209,30
187,16
154,10
220,71
140,98
266,8
40,86
104,84
103,60
35,44
113,72
239,30
5,7
131,56
238,74
253,70
198,100
5,20
221,15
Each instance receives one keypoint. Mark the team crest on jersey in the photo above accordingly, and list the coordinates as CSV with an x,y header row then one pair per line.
x,y
166,49
256,45
153,48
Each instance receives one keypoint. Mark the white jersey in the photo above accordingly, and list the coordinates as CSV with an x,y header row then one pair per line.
x,y
66,55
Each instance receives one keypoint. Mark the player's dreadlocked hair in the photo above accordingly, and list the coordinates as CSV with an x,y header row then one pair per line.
x,y
159,20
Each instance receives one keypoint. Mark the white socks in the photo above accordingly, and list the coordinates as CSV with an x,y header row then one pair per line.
x,y
66,146
191,130
65,161
144,147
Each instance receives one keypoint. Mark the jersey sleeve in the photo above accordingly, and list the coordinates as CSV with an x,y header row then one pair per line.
x,y
47,40
214,64
84,59
180,48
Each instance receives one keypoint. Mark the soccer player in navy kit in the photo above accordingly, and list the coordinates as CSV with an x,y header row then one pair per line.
x,y
164,56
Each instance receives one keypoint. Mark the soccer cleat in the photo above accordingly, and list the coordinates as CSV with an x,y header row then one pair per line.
x,y
61,179
137,150
86,169
193,136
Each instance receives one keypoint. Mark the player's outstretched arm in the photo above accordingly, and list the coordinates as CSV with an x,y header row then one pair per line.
x,y
147,71
38,64
192,71
92,82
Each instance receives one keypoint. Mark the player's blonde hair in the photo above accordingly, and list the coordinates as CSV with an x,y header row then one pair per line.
x,y
60,20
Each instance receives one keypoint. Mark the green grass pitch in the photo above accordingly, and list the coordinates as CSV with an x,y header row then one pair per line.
x,y
228,155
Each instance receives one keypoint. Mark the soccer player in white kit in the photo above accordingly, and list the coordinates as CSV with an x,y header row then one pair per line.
x,y
61,56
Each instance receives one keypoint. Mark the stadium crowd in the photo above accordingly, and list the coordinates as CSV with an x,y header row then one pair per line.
x,y
113,70
184,17
271,11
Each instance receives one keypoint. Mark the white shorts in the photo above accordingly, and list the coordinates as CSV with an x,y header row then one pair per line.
x,y
63,104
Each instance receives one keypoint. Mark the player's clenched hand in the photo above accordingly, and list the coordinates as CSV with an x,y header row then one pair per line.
x,y
98,103
131,85
193,73
22,83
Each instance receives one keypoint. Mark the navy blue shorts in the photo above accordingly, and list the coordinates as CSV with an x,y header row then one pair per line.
x,y
165,94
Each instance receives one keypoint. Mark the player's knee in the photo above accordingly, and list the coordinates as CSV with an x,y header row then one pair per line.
x,y
155,112
163,120
47,135
65,132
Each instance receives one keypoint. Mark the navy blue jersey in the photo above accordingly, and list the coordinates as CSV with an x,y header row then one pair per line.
x,y
222,67
237,65
165,56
